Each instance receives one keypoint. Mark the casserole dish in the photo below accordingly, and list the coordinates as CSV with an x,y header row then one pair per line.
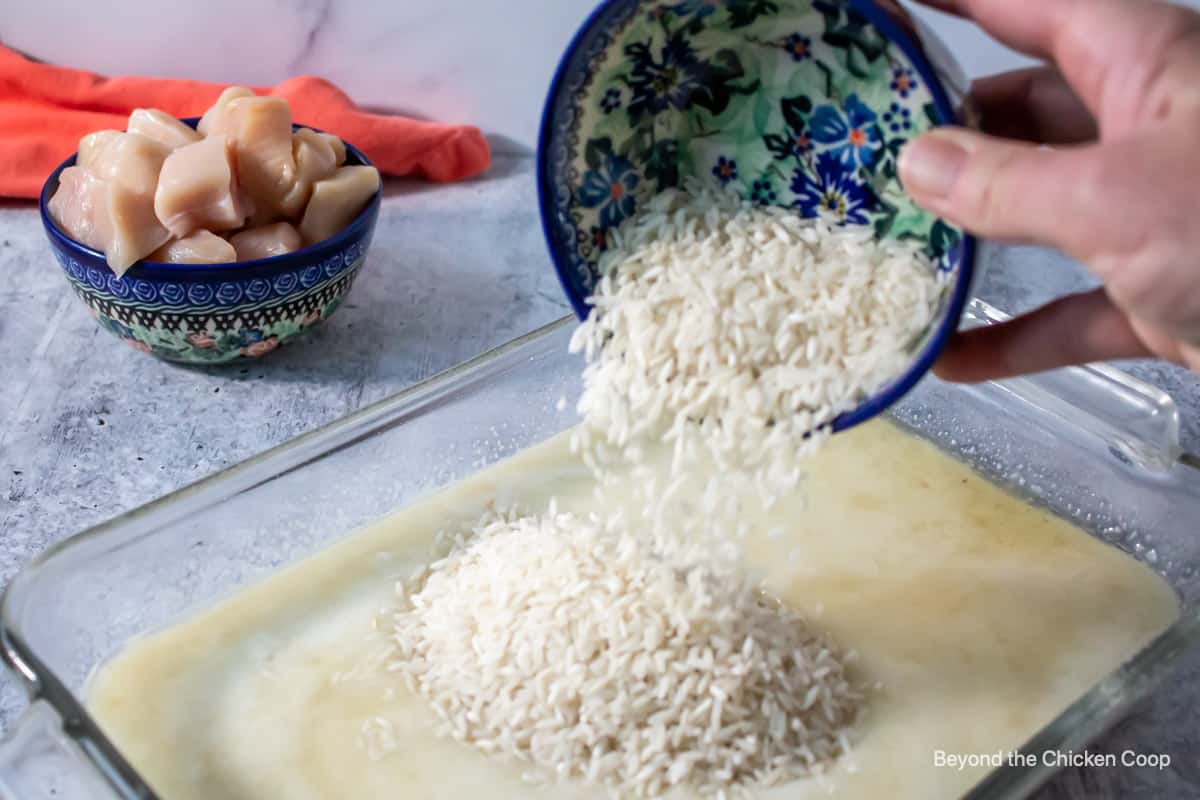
x,y
1091,444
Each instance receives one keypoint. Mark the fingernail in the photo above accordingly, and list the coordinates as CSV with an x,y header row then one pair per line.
x,y
930,165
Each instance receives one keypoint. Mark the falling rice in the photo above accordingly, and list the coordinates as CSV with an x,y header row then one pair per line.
x,y
636,654
739,334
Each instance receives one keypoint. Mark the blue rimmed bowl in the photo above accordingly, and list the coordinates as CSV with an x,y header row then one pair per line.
x,y
213,313
803,104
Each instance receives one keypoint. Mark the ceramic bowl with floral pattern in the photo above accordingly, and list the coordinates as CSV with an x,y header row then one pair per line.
x,y
214,313
802,104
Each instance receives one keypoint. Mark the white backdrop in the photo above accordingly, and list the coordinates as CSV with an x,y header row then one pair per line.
x,y
483,61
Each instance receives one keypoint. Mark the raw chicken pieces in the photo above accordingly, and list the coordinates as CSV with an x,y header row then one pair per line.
x,y
266,241
160,190
130,159
316,158
109,204
260,130
198,188
80,206
161,127
135,230
336,201
339,148
92,144
214,118
201,247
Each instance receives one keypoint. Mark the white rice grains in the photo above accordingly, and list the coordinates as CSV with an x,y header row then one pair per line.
x,y
553,641
742,332
636,655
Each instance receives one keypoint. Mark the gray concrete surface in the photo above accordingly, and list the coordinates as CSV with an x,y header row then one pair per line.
x,y
90,428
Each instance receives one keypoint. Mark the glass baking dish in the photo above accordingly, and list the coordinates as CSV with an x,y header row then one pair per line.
x,y
1092,444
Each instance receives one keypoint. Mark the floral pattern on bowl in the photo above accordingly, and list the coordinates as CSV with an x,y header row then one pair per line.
x,y
801,104
210,316
216,334
798,103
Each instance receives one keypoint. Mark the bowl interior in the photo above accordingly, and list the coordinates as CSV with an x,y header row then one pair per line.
x,y
803,104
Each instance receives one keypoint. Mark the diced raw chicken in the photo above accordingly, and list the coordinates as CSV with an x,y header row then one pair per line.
x,y
136,231
201,247
336,201
162,189
79,206
198,188
109,205
316,159
132,160
260,129
92,144
339,148
161,127
214,120
266,241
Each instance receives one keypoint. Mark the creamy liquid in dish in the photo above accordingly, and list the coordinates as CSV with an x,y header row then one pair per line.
x,y
981,616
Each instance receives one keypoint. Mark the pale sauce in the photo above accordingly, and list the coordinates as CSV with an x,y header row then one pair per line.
x,y
982,617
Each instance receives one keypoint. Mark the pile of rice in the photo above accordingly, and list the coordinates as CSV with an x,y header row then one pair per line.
x,y
739,333
567,644
636,654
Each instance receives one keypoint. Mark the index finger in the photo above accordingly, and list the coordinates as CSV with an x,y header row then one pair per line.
x,y
1033,104
1076,329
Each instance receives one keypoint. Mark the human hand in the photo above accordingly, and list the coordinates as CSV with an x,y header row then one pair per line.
x,y
1118,189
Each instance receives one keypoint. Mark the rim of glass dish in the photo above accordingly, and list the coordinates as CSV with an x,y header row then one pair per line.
x,y
920,365
1095,711
41,683
167,270
1083,720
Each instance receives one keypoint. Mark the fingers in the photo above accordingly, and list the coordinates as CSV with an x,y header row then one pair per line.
x,y
1033,105
1078,329
1119,55
1003,189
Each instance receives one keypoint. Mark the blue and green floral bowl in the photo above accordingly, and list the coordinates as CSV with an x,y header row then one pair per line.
x,y
803,104
213,313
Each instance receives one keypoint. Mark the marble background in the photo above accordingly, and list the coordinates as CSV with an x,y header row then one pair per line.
x,y
90,428
487,62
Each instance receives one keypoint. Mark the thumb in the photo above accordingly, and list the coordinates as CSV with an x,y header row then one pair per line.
x,y
1004,189
1076,329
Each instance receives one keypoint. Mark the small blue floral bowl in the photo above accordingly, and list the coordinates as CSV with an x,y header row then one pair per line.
x,y
803,104
214,313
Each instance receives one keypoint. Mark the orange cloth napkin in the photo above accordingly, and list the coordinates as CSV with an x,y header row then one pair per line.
x,y
45,110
